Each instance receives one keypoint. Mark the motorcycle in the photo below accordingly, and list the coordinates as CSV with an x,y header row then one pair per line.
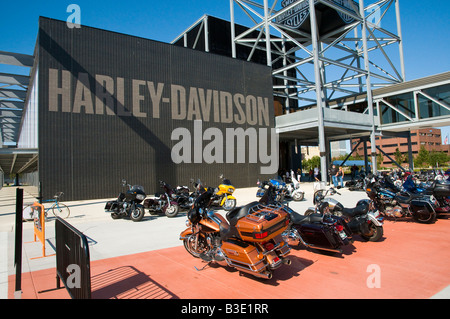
x,y
222,196
293,189
278,188
318,230
163,203
249,239
358,184
439,189
390,204
128,204
184,197
364,219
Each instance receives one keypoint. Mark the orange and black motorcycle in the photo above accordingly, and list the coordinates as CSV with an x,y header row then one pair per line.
x,y
249,239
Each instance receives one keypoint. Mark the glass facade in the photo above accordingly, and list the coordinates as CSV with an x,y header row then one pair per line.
x,y
400,107
429,108
404,104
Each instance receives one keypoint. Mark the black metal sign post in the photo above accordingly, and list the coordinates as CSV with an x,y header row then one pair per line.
x,y
18,244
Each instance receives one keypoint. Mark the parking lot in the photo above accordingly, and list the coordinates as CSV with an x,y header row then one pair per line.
x,y
147,260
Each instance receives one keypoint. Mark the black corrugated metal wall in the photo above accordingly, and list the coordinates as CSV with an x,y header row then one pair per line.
x,y
87,73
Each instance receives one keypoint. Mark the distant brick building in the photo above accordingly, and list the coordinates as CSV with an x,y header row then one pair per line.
x,y
430,138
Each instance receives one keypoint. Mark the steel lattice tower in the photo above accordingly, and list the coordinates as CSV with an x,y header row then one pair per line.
x,y
328,49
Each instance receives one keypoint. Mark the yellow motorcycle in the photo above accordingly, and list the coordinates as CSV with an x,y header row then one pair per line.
x,y
222,196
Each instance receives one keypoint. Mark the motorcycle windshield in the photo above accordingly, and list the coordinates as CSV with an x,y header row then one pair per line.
x,y
227,182
277,182
135,188
409,185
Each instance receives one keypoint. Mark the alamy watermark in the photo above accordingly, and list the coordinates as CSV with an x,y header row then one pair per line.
x,y
73,20
374,279
74,278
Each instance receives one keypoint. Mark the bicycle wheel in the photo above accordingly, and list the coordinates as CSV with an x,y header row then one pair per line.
x,y
61,210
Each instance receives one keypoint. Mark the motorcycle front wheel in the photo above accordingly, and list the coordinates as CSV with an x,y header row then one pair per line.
x,y
137,213
195,249
172,210
229,204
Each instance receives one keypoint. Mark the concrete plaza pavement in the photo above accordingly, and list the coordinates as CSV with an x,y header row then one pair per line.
x,y
126,243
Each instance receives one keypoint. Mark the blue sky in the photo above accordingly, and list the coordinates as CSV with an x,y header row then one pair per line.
x,y
425,25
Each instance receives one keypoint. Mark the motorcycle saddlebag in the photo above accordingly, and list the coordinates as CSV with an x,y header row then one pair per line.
x,y
262,224
111,205
418,205
319,235
242,254
441,190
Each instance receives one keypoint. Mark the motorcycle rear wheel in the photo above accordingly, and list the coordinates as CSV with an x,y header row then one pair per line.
x,y
298,196
425,217
375,233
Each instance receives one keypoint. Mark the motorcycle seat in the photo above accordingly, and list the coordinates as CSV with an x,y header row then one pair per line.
x,y
412,195
298,219
407,197
402,198
356,211
237,213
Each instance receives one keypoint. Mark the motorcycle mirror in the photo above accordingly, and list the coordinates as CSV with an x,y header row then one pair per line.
x,y
124,182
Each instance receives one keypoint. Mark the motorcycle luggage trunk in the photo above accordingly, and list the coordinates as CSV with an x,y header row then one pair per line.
x,y
262,224
242,255
319,235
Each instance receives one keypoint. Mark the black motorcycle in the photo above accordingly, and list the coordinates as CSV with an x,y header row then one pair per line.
x,y
128,204
184,197
363,219
397,205
319,230
438,190
164,202
357,184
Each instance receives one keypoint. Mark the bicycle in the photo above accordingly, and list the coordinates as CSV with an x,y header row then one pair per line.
x,y
58,209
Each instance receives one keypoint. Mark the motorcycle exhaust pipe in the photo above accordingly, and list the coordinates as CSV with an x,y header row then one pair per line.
x,y
263,274
287,261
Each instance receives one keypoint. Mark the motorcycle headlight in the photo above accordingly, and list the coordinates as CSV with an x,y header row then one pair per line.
x,y
230,190
140,197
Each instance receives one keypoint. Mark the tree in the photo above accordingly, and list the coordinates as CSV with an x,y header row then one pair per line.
x,y
380,160
311,163
422,157
438,158
398,156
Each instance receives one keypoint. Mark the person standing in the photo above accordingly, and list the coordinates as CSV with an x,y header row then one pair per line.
x,y
316,174
333,172
340,176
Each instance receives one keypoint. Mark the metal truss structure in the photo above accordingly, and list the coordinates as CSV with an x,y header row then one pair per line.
x,y
335,62
13,92
327,43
